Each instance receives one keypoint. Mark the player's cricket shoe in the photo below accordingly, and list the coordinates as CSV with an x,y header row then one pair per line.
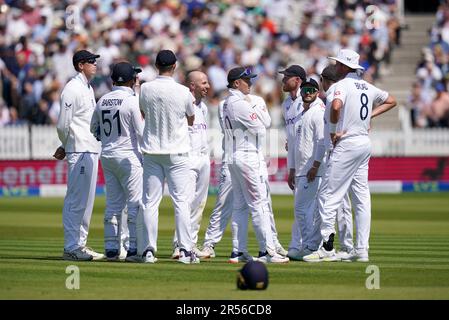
x,y
95,255
175,254
123,253
280,250
344,255
188,257
321,255
148,257
265,257
237,257
358,256
206,253
77,255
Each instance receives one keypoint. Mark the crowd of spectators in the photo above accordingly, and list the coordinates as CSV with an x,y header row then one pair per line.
x,y
39,37
428,101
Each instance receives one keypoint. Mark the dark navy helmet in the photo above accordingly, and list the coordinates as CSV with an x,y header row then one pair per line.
x,y
253,276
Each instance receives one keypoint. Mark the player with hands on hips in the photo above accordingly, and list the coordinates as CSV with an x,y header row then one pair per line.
x,y
353,104
329,78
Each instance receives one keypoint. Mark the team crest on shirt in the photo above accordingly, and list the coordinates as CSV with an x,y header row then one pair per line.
x,y
253,116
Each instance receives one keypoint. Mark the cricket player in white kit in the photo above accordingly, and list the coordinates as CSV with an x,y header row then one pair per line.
x,y
242,145
81,149
329,78
168,108
351,111
199,173
292,107
222,211
309,155
118,124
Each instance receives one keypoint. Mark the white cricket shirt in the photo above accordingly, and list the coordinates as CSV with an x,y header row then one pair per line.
x,y
77,107
290,110
198,132
117,121
165,104
242,125
309,141
358,97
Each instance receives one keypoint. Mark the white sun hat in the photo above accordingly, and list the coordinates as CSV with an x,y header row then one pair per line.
x,y
349,58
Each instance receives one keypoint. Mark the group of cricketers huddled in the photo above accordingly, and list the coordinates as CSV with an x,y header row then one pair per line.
x,y
154,135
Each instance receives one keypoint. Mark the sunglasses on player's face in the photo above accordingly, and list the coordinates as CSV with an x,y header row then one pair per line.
x,y
309,90
90,61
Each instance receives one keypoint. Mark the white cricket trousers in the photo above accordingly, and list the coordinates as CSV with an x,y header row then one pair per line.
x,y
79,199
249,191
157,168
222,212
348,171
344,216
123,175
269,207
306,212
199,176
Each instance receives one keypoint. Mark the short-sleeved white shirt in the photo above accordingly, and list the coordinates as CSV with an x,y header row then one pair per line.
x,y
358,97
118,120
165,104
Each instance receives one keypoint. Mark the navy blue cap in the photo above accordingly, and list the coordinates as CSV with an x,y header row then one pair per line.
x,y
83,55
294,71
310,83
165,58
253,276
123,72
239,73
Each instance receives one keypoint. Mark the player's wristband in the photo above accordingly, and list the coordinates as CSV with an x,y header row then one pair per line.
x,y
332,127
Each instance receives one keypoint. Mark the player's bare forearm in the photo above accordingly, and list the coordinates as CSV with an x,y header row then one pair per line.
x,y
190,120
311,174
390,103
291,179
335,110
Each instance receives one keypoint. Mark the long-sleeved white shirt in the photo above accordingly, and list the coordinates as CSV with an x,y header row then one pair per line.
x,y
290,110
77,107
198,131
165,104
117,121
242,125
309,141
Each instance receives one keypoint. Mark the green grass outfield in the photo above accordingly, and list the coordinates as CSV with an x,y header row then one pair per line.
x,y
409,244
